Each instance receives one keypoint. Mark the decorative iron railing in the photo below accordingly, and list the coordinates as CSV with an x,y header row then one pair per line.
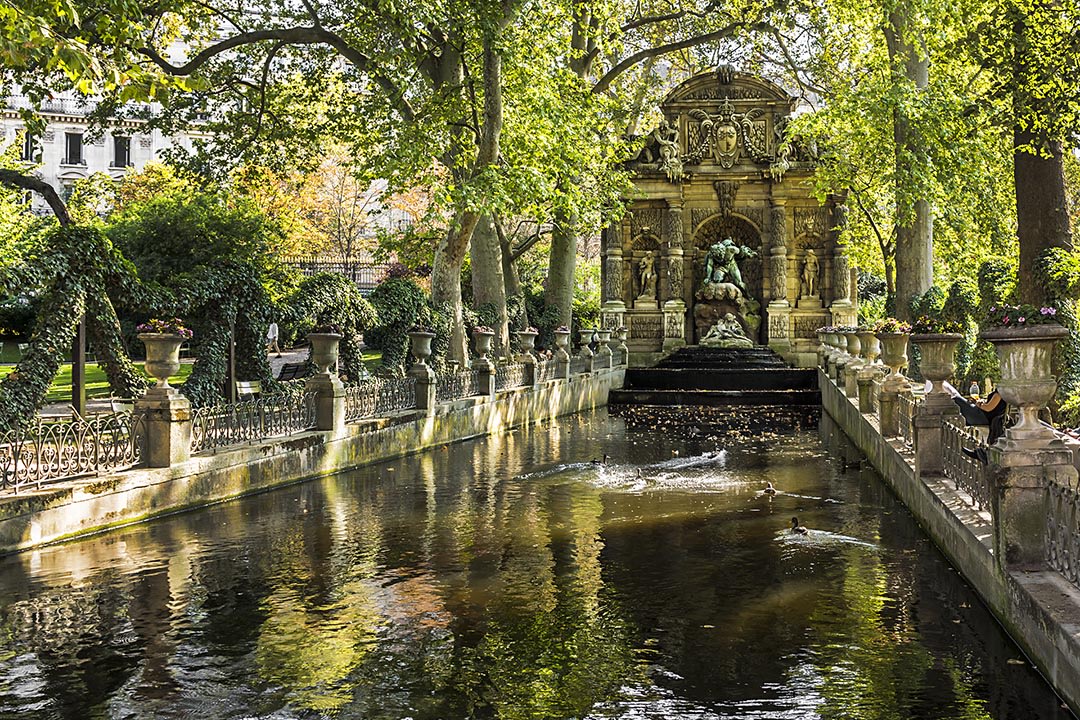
x,y
47,452
578,365
509,376
269,416
547,370
454,384
968,472
362,271
1063,532
379,396
905,410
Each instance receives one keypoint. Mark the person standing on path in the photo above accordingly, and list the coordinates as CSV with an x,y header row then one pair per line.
x,y
272,339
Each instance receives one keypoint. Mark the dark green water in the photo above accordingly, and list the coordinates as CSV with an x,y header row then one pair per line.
x,y
511,578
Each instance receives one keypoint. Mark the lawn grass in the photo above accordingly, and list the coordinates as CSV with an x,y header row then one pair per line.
x,y
96,383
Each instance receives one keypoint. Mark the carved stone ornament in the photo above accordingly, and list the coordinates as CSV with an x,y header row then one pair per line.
x,y
675,275
841,278
645,221
778,327
778,265
725,195
810,221
613,278
778,227
725,134
661,151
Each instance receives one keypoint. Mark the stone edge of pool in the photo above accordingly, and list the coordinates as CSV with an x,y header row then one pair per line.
x,y
1040,610
80,508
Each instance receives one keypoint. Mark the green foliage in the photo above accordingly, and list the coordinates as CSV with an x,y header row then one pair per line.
x,y
330,299
961,307
997,283
399,304
929,303
1058,271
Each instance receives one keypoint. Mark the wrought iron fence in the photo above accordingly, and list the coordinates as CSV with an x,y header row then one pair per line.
x,y
509,376
547,370
362,271
905,408
454,384
48,452
269,416
578,365
1063,532
379,396
969,473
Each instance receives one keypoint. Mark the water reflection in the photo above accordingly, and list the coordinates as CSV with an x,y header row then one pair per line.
x,y
514,578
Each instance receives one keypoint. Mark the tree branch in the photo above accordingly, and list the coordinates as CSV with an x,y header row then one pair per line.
x,y
14,178
290,36
727,31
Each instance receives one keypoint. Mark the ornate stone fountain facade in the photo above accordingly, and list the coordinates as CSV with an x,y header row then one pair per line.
x,y
725,222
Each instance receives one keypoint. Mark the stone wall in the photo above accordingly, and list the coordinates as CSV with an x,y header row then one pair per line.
x,y
83,507
1040,609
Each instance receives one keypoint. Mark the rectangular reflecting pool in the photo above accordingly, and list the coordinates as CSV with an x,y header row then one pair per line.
x,y
525,576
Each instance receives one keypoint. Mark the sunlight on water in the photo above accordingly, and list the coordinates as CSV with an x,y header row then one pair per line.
x,y
514,577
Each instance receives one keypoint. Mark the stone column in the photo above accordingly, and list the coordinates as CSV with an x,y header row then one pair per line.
x,y
614,308
1019,482
865,381
674,307
779,329
166,417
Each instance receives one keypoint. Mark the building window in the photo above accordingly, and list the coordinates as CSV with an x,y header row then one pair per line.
x,y
121,151
74,149
30,150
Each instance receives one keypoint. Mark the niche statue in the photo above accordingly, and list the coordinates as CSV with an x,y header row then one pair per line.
x,y
727,333
647,277
721,266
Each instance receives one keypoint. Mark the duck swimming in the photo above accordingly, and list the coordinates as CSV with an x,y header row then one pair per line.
x,y
594,461
769,489
797,528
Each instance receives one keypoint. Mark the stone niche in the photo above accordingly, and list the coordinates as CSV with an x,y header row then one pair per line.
x,y
722,165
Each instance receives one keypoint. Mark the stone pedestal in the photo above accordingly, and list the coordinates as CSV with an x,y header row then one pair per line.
x,y
425,387
486,370
532,375
166,416
613,314
888,412
674,325
866,379
329,401
780,326
1019,482
928,432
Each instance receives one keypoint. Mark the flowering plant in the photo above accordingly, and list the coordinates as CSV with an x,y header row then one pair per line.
x,y
326,330
422,329
1021,316
175,326
531,329
826,329
927,325
845,329
892,325
482,330
562,328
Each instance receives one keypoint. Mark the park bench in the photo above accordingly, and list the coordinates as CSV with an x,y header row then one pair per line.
x,y
293,371
248,389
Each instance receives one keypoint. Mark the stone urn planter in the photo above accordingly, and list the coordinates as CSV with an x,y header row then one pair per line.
x,y
938,364
585,337
482,342
324,350
162,356
526,340
894,355
622,334
420,345
869,348
562,343
603,337
852,343
1024,355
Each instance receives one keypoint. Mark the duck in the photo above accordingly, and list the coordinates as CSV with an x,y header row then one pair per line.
x,y
594,461
769,489
797,528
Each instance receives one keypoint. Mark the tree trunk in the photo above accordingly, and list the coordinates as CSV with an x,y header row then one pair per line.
x,y
487,278
1042,217
559,292
450,253
915,222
